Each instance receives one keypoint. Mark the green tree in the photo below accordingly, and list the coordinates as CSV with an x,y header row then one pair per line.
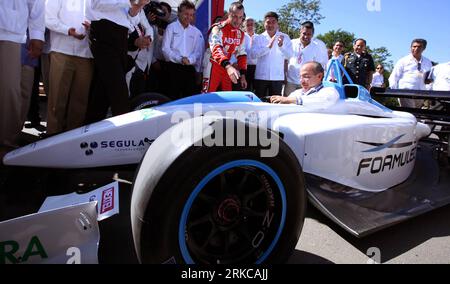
x,y
259,26
332,36
381,56
294,13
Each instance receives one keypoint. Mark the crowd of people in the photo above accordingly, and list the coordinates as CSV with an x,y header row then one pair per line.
x,y
94,55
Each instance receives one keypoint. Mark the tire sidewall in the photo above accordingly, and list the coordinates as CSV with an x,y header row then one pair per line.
x,y
147,100
164,210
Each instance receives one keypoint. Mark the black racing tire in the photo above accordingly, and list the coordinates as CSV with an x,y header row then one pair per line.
x,y
148,100
199,204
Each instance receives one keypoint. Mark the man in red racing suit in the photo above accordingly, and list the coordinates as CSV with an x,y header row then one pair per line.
x,y
225,40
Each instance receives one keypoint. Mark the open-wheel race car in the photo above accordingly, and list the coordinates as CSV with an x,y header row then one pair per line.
x,y
225,177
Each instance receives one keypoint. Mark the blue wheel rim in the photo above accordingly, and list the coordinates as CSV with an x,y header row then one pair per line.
x,y
193,196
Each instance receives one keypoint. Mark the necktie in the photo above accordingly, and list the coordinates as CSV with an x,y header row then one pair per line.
x,y
300,54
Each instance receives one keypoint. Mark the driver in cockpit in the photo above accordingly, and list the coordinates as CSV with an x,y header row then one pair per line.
x,y
312,91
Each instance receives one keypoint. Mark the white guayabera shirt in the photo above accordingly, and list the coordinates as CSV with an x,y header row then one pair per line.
x,y
318,96
314,51
440,74
179,42
409,73
270,65
60,16
18,16
115,11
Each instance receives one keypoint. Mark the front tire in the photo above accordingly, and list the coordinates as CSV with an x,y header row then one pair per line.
x,y
216,204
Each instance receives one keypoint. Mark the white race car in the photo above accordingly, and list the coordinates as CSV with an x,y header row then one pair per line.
x,y
224,177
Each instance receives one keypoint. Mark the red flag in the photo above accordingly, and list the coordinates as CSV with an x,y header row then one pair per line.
x,y
217,7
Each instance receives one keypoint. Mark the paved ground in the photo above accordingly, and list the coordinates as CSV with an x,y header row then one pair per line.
x,y
425,239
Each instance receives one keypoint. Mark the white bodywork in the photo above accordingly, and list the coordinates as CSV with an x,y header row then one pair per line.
x,y
330,143
64,235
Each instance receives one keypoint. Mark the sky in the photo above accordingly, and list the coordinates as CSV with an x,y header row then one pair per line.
x,y
394,25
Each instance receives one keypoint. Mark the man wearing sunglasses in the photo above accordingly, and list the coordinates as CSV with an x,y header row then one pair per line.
x,y
409,72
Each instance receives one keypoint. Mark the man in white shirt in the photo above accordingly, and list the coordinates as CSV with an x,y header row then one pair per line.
x,y
409,72
111,21
15,18
71,64
271,49
250,35
305,50
440,77
180,50
312,93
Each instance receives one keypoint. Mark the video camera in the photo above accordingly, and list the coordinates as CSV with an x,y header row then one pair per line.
x,y
154,8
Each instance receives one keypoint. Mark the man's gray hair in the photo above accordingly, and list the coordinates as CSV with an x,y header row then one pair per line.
x,y
317,67
250,19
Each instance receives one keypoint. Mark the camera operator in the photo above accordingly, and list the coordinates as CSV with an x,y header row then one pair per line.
x,y
140,51
111,21
158,15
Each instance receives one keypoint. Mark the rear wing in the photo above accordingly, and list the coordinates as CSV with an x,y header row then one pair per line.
x,y
440,111
437,115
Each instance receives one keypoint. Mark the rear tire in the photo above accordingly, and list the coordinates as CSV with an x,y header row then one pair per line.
x,y
147,100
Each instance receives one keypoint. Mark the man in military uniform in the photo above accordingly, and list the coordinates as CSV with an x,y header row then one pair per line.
x,y
359,64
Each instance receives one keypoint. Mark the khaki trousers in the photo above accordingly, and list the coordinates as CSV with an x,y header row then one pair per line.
x,y
45,70
26,87
70,80
10,97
